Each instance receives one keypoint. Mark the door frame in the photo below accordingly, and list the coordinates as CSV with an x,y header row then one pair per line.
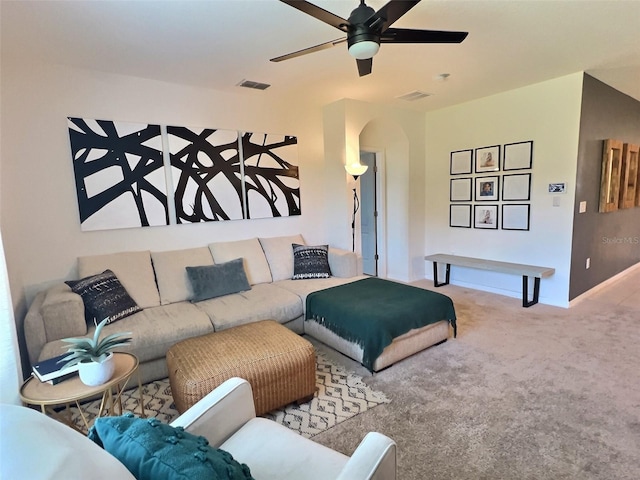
x,y
381,224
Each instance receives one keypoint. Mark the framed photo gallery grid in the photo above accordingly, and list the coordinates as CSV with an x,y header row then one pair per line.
x,y
491,186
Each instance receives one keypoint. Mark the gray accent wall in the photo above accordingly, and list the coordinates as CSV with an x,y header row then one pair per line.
x,y
611,240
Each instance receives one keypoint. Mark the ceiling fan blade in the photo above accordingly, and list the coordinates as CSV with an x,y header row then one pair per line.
x,y
319,13
404,35
365,66
388,14
317,48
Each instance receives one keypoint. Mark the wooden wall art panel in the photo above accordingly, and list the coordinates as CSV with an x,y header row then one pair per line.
x,y
610,176
629,180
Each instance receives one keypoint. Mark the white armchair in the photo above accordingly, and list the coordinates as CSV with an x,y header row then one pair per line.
x,y
227,418
37,447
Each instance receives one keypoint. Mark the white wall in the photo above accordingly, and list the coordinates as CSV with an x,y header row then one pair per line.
x,y
10,371
39,216
40,221
547,113
400,134
387,137
337,201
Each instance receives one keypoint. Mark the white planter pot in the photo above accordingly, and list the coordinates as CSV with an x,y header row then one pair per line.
x,y
94,373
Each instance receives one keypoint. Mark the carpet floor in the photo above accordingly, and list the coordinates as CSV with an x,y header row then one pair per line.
x,y
540,393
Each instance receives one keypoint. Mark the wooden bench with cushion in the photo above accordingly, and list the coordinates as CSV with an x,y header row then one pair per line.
x,y
503,267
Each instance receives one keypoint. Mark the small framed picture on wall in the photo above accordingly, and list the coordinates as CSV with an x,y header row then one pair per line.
x,y
516,187
518,156
485,216
460,216
488,159
487,189
460,189
461,162
515,216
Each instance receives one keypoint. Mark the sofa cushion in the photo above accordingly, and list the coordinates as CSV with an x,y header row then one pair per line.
x,y
153,450
302,288
63,313
211,281
153,330
280,255
255,263
344,263
310,262
173,282
262,302
133,269
104,297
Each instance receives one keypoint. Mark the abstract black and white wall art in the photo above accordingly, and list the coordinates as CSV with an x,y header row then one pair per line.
x,y
125,178
205,168
119,173
271,178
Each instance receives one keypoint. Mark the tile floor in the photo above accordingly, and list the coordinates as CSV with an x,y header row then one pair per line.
x,y
623,291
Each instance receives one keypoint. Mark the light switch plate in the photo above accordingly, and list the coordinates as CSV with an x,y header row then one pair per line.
x,y
583,207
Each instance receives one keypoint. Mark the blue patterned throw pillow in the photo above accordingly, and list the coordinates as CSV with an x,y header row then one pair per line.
x,y
310,261
104,297
152,450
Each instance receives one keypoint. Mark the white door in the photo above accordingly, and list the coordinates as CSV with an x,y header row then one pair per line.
x,y
368,230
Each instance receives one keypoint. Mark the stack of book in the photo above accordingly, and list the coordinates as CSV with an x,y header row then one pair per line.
x,y
51,370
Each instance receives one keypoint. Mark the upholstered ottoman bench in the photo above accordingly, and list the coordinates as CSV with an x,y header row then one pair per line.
x,y
278,363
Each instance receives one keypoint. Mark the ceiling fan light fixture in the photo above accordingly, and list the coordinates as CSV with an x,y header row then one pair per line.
x,y
367,28
364,50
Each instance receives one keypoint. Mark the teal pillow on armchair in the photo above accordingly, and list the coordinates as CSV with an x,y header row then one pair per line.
x,y
152,450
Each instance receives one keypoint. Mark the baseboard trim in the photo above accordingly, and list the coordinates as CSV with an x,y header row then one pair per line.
x,y
604,284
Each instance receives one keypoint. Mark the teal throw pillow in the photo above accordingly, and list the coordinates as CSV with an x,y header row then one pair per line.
x,y
211,281
152,450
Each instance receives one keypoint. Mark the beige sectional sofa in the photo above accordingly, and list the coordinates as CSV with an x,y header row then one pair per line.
x,y
158,282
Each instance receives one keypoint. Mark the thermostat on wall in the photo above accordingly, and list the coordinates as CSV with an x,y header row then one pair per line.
x,y
558,187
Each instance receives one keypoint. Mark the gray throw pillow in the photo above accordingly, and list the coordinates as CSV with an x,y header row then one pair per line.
x,y
310,261
211,281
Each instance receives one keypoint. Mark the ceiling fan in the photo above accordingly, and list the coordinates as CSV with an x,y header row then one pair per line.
x,y
366,29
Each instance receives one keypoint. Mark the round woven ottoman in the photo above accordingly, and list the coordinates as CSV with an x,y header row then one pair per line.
x,y
278,363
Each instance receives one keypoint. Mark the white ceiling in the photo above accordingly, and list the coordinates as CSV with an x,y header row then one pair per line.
x,y
216,44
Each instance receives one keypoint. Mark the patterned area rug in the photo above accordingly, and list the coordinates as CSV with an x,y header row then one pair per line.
x,y
340,395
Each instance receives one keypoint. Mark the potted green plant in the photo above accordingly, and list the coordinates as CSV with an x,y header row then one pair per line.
x,y
94,356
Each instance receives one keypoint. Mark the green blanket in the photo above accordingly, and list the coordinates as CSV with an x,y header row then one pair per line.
x,y
372,312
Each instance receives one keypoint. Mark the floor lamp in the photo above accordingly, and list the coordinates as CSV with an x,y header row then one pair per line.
x,y
355,170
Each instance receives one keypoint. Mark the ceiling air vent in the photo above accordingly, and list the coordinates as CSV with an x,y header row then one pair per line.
x,y
254,85
413,96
